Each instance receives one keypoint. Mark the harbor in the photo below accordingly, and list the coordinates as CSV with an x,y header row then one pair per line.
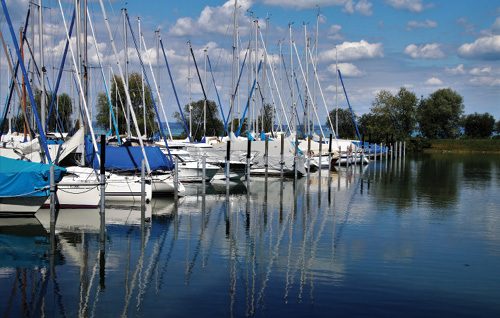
x,y
223,160
371,240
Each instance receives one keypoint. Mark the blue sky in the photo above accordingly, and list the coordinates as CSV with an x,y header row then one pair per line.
x,y
382,44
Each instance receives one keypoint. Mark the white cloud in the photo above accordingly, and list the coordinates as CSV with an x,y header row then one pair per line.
x,y
349,7
209,20
347,70
480,71
433,81
485,81
427,24
410,5
349,51
496,26
304,4
334,33
428,51
486,48
459,70
364,7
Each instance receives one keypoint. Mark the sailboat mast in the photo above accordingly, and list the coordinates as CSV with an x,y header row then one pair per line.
x,y
256,98
263,114
306,79
43,111
189,91
336,91
235,40
125,52
205,101
294,121
142,80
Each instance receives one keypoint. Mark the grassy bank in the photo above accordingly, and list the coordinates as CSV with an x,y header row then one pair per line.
x,y
464,145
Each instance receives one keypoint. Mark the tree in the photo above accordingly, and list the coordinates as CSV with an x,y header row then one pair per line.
x,y
497,127
346,125
439,114
375,127
396,113
63,110
478,125
268,118
119,102
214,127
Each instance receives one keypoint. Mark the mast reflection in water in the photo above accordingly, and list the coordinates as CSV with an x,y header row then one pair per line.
x,y
412,237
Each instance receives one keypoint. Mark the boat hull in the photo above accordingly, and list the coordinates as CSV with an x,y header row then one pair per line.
x,y
21,206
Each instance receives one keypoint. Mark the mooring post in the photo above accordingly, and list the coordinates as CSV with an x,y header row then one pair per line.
x,y
103,173
330,153
249,149
176,178
308,155
340,156
404,148
227,165
296,154
266,155
52,200
143,184
320,153
282,160
375,153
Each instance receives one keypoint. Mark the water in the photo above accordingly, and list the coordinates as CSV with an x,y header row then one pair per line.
x,y
413,238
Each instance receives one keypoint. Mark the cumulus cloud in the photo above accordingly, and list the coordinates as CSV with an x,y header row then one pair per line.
x,y
485,81
486,48
209,19
364,7
427,51
427,24
433,81
459,70
480,71
495,29
350,51
410,5
349,6
347,70
334,33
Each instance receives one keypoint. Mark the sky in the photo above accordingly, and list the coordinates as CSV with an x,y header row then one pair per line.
x,y
377,44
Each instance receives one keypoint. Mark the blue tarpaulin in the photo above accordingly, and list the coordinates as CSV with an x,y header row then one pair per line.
x,y
26,179
128,157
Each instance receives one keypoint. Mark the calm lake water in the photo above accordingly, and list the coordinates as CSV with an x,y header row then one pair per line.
x,y
418,237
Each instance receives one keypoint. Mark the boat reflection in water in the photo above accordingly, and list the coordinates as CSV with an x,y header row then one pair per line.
x,y
302,247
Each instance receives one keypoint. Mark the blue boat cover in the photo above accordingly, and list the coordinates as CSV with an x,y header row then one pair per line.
x,y
26,179
127,157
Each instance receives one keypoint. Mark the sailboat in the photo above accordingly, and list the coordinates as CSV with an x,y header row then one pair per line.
x,y
24,186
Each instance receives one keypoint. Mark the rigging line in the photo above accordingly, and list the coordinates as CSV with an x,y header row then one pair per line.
x,y
77,74
248,100
9,97
58,81
349,104
175,91
203,89
28,86
126,92
231,106
323,96
215,86
149,87
156,87
103,78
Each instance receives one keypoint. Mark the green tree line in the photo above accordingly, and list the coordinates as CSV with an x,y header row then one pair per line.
x,y
403,115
